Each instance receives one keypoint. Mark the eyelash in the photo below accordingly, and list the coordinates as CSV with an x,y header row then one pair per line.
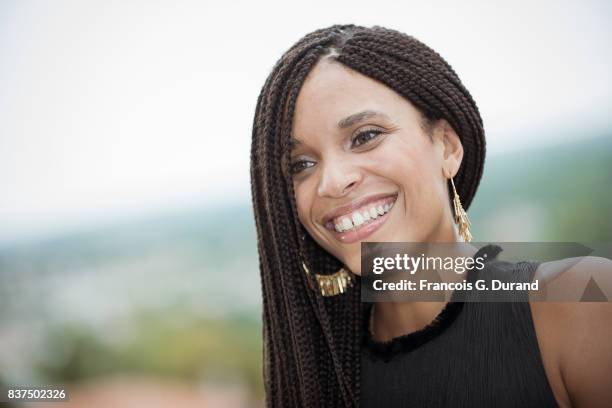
x,y
363,132
377,133
292,169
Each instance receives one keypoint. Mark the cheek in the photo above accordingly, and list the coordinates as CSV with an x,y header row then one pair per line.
x,y
420,175
303,203
409,165
414,168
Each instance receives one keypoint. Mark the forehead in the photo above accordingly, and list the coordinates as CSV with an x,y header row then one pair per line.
x,y
333,91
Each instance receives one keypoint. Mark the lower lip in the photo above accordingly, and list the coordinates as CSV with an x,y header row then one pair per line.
x,y
348,237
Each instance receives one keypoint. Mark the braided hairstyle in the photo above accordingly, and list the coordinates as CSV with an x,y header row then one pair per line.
x,y
312,343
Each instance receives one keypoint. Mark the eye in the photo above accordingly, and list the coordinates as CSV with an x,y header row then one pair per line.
x,y
299,165
365,136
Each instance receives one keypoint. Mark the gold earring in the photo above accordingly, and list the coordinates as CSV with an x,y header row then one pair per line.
x,y
334,284
461,217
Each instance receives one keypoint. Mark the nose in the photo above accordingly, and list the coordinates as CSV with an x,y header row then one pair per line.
x,y
338,179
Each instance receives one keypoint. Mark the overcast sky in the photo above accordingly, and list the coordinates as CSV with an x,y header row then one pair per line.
x,y
120,107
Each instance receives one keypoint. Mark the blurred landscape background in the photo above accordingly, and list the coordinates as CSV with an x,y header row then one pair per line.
x,y
128,261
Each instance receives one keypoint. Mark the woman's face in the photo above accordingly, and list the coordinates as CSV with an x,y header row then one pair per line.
x,y
365,169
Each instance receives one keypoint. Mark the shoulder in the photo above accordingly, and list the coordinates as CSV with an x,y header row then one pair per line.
x,y
575,336
567,279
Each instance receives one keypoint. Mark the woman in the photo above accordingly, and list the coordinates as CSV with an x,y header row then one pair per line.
x,y
366,134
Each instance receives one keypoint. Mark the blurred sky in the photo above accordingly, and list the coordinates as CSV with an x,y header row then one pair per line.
x,y
114,108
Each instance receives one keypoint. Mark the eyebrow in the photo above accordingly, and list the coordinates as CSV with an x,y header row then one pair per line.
x,y
347,122
293,143
358,117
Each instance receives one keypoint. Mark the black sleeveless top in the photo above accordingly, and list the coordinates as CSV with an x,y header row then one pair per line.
x,y
474,354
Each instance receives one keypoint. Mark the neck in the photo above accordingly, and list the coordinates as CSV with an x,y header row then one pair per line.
x,y
393,319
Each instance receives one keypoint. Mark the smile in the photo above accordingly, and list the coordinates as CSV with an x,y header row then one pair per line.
x,y
363,221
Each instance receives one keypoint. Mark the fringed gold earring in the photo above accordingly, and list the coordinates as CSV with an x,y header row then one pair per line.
x,y
334,284
330,285
461,218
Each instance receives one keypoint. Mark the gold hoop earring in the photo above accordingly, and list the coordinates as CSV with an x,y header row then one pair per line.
x,y
461,218
334,284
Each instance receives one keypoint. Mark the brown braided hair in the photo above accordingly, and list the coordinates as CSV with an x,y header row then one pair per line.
x,y
312,343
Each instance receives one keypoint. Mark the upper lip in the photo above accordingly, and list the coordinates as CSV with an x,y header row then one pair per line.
x,y
354,205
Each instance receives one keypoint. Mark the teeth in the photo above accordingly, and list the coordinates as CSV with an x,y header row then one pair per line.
x,y
373,213
357,219
346,224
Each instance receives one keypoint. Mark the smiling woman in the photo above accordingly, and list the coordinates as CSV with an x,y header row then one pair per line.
x,y
358,134
366,134
363,153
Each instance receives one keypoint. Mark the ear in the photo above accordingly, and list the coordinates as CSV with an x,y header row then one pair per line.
x,y
449,145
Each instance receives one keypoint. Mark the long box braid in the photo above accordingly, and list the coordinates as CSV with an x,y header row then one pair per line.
x,y
312,343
